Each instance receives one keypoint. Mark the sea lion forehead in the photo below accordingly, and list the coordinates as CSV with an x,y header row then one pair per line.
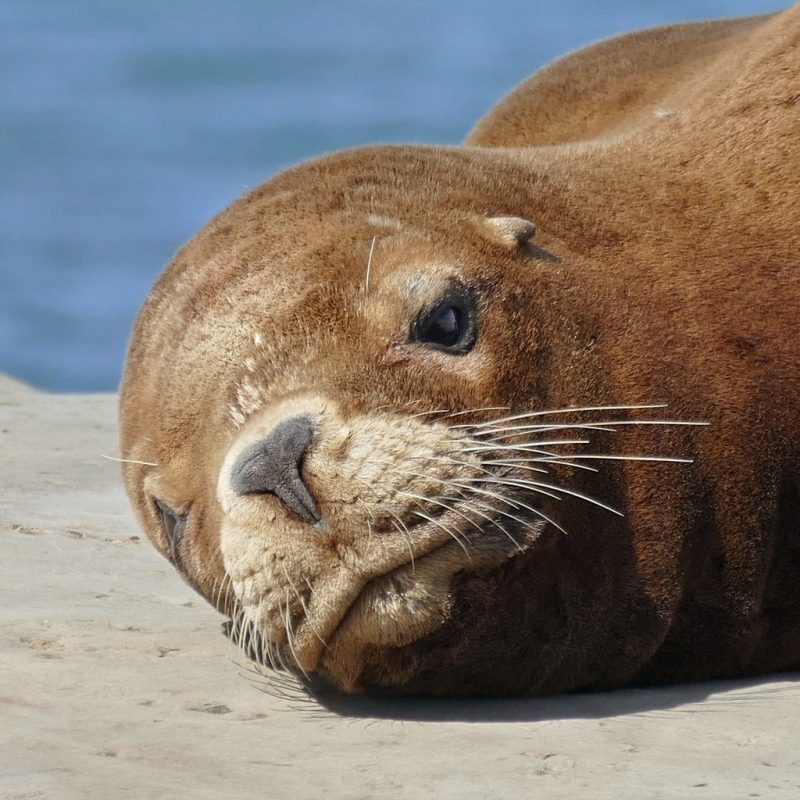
x,y
329,210
390,184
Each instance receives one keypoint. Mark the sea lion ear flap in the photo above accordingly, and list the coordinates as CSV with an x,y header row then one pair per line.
x,y
512,232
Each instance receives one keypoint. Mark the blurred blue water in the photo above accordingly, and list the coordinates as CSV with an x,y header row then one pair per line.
x,y
124,126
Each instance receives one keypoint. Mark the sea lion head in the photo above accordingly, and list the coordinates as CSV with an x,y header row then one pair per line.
x,y
399,411
357,396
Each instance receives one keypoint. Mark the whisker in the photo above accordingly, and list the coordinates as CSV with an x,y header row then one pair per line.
x,y
429,413
520,463
227,581
606,426
473,490
507,514
447,530
443,460
406,533
311,589
366,507
489,519
476,411
508,463
576,410
214,588
276,651
664,459
534,486
541,443
451,484
229,630
236,636
516,503
662,422
369,264
525,447
438,501
303,605
287,622
129,461
517,430
519,483
283,686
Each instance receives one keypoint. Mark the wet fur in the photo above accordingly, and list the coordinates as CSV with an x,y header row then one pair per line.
x,y
663,172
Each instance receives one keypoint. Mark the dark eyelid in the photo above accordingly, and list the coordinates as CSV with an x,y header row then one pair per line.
x,y
173,524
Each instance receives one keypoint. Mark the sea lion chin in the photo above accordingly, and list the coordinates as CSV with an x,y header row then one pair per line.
x,y
509,418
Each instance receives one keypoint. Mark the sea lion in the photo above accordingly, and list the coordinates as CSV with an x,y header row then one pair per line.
x,y
382,410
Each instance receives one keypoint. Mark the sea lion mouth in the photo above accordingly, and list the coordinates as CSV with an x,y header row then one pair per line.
x,y
406,598
413,599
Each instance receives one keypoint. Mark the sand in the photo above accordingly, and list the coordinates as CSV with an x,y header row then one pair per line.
x,y
116,682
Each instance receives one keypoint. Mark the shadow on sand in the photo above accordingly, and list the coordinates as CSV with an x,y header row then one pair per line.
x,y
711,696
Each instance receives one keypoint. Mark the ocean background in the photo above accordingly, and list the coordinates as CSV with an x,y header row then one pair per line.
x,y
125,125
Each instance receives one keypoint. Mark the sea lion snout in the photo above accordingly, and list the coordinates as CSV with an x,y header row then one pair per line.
x,y
273,465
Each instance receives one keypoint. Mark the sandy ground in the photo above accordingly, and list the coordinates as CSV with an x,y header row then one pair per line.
x,y
115,681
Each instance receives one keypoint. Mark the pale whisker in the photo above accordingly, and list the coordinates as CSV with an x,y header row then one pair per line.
x,y
287,620
519,483
501,463
447,530
441,459
515,504
664,459
605,426
475,411
555,411
404,532
507,514
489,519
129,461
520,463
525,447
518,430
369,264
539,487
438,502
429,413
450,483
303,605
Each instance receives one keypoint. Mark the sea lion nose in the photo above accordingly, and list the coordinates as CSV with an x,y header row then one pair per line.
x,y
273,466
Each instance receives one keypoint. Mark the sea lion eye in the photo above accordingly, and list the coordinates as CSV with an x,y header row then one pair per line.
x,y
448,325
174,525
444,328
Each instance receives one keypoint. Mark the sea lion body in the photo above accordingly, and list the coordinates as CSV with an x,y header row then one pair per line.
x,y
345,388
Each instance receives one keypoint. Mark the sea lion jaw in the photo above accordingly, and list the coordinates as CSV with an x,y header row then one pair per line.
x,y
385,544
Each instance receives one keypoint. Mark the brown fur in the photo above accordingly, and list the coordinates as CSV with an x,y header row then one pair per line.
x,y
663,172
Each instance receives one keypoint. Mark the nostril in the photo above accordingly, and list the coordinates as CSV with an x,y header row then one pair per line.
x,y
273,466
